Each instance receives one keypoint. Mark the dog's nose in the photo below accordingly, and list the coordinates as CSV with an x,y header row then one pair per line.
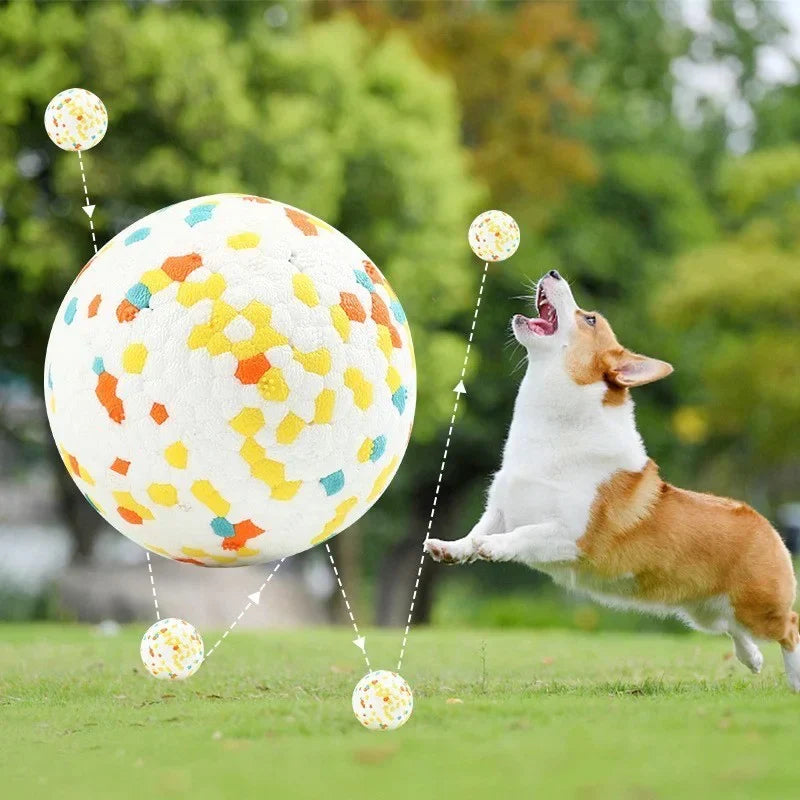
x,y
554,274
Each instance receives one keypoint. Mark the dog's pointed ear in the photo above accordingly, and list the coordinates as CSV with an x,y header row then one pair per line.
x,y
631,369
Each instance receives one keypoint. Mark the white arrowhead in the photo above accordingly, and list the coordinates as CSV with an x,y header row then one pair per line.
x,y
89,211
460,389
360,643
255,597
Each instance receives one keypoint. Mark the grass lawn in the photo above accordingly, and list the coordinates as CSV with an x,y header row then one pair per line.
x,y
544,714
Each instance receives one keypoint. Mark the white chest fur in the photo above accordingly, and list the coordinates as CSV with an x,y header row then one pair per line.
x,y
562,445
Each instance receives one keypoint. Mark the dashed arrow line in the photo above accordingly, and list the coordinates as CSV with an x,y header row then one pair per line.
x,y
88,208
459,390
253,599
153,585
359,641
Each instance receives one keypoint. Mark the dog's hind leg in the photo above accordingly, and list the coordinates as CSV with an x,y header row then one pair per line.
x,y
768,619
790,645
746,649
715,615
791,663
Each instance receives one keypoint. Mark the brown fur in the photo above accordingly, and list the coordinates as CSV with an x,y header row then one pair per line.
x,y
680,546
594,355
591,351
684,546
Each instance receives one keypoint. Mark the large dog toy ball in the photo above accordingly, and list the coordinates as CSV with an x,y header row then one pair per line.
x,y
76,119
494,236
382,701
172,649
230,381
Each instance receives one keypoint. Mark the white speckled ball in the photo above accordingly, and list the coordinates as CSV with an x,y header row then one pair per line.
x,y
494,236
172,649
76,119
382,701
230,381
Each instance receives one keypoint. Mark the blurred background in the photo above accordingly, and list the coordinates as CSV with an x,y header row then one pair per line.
x,y
650,151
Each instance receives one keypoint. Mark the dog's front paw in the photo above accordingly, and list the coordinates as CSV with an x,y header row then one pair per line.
x,y
491,548
458,552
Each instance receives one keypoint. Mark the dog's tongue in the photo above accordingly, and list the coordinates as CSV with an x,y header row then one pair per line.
x,y
541,327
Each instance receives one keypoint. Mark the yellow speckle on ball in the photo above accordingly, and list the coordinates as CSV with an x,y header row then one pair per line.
x,y
165,494
304,289
289,429
248,421
323,406
134,357
177,455
244,241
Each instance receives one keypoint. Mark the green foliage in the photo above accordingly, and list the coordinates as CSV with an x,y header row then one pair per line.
x,y
364,136
763,181
459,604
397,122
627,72
671,238
737,300
778,113
17,605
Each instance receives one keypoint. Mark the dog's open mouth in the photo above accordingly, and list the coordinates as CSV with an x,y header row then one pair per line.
x,y
546,324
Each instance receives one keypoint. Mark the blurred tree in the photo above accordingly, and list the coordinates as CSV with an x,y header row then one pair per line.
x,y
363,135
579,118
605,83
737,301
778,115
512,65
660,150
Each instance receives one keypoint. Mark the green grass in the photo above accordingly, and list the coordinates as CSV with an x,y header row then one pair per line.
x,y
544,714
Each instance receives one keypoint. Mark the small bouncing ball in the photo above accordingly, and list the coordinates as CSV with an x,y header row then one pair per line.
x,y
76,119
494,236
172,649
382,701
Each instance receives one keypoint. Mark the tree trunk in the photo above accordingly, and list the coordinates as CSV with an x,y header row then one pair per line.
x,y
398,572
347,550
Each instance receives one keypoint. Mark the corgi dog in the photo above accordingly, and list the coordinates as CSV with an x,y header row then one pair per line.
x,y
578,498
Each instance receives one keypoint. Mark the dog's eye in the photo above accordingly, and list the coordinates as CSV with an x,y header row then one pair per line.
x,y
590,319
